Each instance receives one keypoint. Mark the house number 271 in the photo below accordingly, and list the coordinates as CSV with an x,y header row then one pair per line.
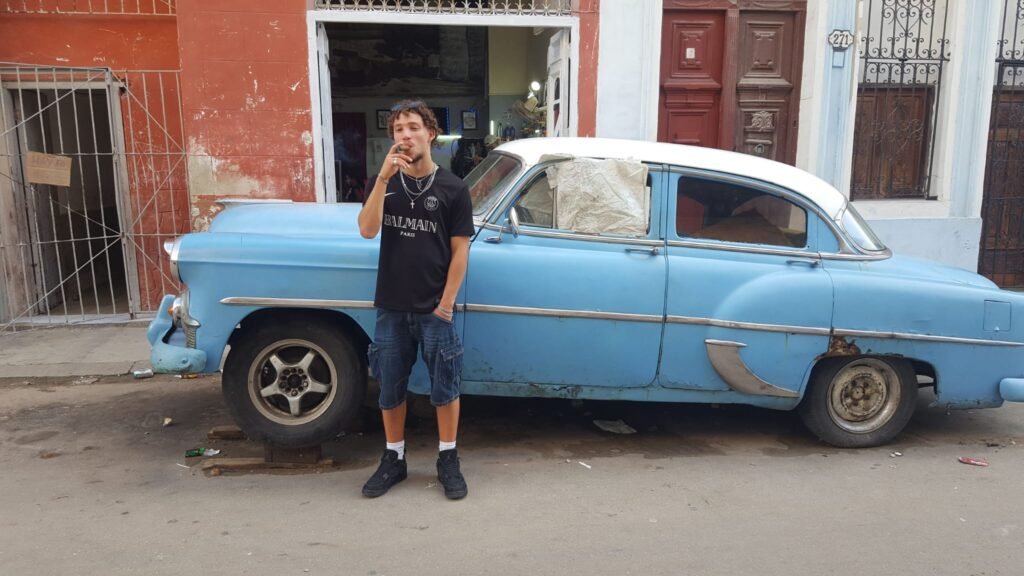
x,y
840,39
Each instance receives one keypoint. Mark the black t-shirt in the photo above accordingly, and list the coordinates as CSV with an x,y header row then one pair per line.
x,y
415,242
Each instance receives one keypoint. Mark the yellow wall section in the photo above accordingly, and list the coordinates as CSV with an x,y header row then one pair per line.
x,y
506,61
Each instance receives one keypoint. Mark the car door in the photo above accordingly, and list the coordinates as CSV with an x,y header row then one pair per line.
x,y
558,307
749,306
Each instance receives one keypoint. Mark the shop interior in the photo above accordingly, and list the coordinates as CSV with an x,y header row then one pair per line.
x,y
486,85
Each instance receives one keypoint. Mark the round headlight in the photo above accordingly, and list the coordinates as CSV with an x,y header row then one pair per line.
x,y
172,247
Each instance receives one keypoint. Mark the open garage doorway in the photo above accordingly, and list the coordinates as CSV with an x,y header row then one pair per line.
x,y
486,85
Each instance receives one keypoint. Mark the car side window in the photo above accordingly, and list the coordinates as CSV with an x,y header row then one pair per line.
x,y
536,204
716,210
587,196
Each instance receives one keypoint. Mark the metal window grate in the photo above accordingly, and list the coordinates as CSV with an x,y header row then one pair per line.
x,y
95,7
1001,257
487,7
902,49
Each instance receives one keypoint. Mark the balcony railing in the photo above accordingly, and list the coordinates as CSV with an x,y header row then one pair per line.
x,y
93,7
489,7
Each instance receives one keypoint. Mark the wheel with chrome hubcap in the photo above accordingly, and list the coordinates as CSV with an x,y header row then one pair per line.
x,y
293,383
859,401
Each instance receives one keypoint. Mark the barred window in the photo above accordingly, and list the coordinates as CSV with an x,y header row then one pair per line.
x,y
902,49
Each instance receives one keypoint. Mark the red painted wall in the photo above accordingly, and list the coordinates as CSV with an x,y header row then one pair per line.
x,y
118,42
245,92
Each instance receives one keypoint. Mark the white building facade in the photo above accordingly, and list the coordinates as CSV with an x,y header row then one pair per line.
x,y
895,105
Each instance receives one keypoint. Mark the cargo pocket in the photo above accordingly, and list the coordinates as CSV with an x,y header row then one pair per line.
x,y
373,360
449,368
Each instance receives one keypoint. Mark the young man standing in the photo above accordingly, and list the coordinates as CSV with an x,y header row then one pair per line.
x,y
425,217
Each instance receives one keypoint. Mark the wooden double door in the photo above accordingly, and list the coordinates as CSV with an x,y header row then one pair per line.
x,y
730,75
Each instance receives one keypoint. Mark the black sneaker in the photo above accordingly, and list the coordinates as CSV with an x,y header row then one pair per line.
x,y
449,475
390,472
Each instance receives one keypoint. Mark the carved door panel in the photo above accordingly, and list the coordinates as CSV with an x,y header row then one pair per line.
x,y
766,85
691,72
730,75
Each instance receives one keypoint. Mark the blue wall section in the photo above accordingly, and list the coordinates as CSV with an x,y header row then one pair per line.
x,y
837,92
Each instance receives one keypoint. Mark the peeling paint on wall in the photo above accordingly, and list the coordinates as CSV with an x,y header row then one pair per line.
x,y
210,176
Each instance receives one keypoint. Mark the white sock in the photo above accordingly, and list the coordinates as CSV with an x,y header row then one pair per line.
x,y
398,447
442,446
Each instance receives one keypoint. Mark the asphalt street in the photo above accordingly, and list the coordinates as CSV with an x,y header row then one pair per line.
x,y
94,483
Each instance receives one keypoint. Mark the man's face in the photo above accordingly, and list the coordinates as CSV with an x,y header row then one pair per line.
x,y
414,137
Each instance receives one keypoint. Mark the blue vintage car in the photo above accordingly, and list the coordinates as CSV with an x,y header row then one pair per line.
x,y
604,269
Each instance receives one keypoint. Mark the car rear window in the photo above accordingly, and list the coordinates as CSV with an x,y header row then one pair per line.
x,y
715,210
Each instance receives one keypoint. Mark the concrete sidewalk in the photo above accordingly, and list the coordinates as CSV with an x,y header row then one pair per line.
x,y
74,351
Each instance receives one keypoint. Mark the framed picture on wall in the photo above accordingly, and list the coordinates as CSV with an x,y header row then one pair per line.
x,y
382,119
469,119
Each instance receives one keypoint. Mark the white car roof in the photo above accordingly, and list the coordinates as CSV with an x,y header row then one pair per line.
x,y
530,150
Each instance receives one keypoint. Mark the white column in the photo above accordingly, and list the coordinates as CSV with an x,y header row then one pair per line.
x,y
628,69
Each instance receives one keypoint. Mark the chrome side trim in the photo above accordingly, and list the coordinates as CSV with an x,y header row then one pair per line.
x,y
735,248
882,255
922,337
748,325
296,302
527,231
726,360
559,313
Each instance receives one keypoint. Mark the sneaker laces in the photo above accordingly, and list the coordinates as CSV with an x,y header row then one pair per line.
x,y
450,467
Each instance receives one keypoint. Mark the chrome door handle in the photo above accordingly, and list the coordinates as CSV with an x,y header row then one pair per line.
x,y
806,261
652,251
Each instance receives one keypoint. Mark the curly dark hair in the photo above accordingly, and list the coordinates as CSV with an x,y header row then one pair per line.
x,y
416,106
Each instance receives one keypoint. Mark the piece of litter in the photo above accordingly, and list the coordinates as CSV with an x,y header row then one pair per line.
x,y
973,461
84,380
963,520
140,374
182,465
567,461
585,465
186,376
168,421
615,426
895,454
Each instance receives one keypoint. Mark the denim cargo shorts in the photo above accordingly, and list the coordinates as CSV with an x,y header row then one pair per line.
x,y
399,336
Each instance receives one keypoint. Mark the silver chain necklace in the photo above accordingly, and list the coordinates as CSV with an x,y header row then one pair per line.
x,y
413,196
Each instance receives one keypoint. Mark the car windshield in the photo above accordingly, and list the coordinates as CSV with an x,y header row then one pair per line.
x,y
490,179
859,231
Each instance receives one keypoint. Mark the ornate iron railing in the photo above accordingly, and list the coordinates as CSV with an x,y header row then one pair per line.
x,y
490,7
94,7
903,49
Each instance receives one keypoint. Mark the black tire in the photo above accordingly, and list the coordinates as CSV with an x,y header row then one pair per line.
x,y
327,395
859,401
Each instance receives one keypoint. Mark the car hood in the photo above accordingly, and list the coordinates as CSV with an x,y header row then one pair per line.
x,y
289,219
906,266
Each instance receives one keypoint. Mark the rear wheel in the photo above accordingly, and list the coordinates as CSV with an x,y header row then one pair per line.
x,y
294,382
861,401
